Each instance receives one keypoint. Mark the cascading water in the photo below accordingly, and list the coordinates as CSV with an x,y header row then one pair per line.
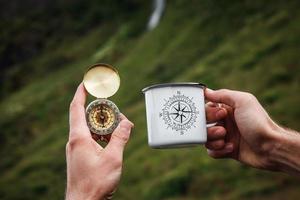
x,y
159,7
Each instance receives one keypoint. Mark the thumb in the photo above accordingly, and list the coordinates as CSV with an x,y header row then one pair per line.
x,y
120,136
224,96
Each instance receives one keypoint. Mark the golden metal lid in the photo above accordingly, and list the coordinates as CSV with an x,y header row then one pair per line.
x,y
101,80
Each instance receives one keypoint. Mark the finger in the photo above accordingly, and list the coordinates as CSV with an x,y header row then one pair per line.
x,y
120,137
222,153
78,126
216,133
123,117
215,145
222,96
214,114
212,104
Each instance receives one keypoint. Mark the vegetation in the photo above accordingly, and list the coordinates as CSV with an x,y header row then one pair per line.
x,y
45,49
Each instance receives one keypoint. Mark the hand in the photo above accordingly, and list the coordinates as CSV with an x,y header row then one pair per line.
x,y
93,172
247,134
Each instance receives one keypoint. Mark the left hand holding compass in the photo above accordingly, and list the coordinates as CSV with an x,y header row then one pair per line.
x,y
93,172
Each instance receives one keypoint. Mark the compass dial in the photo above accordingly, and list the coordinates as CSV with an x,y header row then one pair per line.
x,y
102,116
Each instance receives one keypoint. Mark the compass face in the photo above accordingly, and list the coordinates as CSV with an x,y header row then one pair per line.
x,y
179,113
102,116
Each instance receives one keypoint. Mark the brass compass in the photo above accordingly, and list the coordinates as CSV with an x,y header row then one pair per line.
x,y
102,115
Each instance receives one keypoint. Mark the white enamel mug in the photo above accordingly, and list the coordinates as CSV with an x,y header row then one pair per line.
x,y
175,115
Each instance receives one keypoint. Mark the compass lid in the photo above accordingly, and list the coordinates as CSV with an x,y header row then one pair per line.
x,y
101,80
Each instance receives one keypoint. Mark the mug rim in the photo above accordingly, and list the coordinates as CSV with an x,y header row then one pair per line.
x,y
161,85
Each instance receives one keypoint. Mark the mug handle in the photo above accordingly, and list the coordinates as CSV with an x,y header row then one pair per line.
x,y
214,123
211,124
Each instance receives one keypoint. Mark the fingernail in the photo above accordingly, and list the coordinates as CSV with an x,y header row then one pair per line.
x,y
132,124
209,90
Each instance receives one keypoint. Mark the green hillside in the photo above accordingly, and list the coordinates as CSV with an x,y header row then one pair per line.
x,y
245,45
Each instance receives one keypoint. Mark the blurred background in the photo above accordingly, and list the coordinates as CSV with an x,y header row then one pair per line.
x,y
46,46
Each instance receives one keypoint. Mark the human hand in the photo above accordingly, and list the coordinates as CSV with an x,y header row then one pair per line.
x,y
247,134
93,172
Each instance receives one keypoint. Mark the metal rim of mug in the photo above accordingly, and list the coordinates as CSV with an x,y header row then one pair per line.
x,y
193,84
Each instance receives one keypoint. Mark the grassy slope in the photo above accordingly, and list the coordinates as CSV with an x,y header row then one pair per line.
x,y
249,46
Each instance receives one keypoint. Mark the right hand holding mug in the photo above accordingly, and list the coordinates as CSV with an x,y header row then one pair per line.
x,y
248,134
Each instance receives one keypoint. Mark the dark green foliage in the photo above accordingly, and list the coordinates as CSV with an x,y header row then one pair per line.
x,y
30,27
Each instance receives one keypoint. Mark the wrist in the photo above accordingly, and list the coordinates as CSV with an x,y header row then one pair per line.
x,y
78,194
284,155
270,143
275,144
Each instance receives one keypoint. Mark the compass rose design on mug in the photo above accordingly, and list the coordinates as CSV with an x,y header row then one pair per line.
x,y
179,112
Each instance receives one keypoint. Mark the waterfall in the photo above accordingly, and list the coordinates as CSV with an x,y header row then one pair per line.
x,y
159,7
